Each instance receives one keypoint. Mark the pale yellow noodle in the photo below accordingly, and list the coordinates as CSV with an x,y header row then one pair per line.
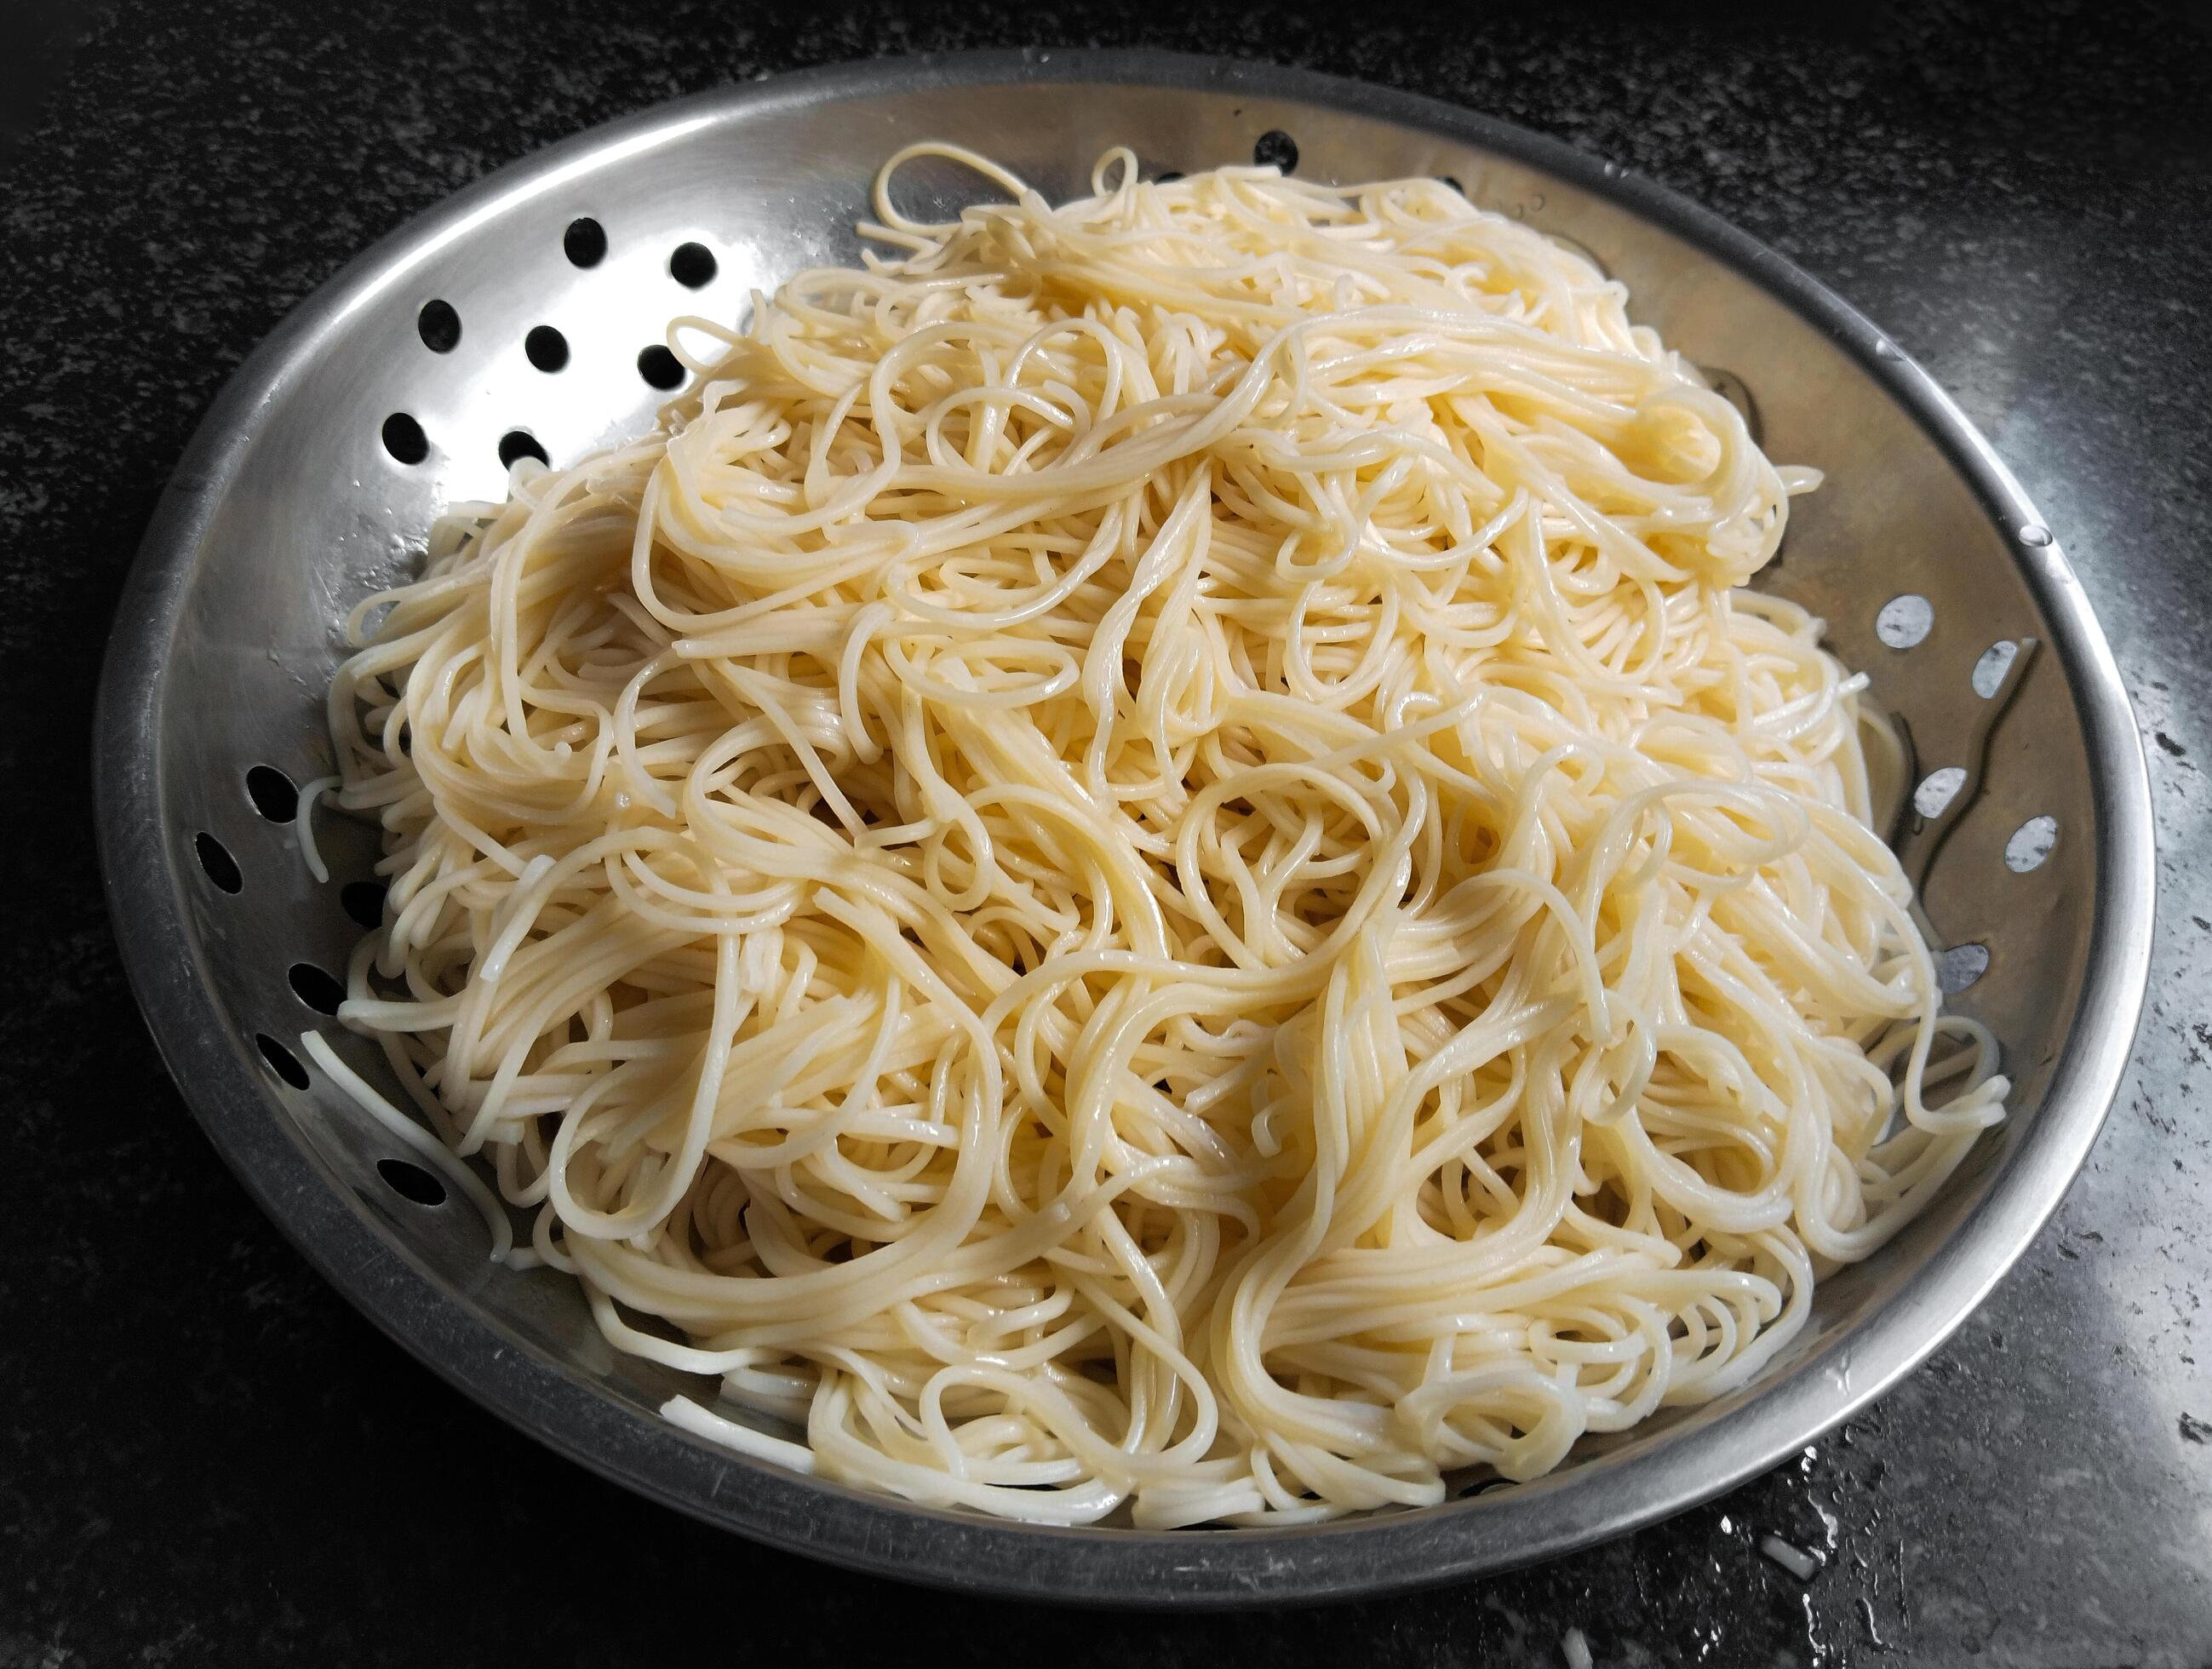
x,y
1149,857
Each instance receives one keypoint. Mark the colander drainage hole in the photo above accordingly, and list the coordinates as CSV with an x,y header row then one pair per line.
x,y
1276,149
1959,967
1167,176
1451,180
272,793
547,348
585,242
1904,621
659,367
405,440
520,443
315,988
1730,388
1990,671
411,1181
2030,843
363,900
282,1061
1937,789
438,326
693,266
216,859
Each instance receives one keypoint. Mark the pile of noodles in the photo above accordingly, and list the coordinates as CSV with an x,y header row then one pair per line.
x,y
1150,855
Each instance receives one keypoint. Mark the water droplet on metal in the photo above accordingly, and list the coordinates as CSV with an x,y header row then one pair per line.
x,y
1885,349
2035,533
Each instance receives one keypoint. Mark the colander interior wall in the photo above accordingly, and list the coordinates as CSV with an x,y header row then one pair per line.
x,y
314,483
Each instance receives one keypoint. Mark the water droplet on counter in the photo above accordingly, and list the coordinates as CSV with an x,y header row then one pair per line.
x,y
1819,1648
2035,533
1874,1632
1798,1561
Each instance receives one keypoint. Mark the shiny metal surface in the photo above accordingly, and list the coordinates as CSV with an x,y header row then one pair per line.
x,y
288,507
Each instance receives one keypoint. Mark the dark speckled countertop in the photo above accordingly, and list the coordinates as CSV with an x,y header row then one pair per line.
x,y
206,1457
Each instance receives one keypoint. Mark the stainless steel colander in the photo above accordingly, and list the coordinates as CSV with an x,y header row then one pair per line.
x,y
522,314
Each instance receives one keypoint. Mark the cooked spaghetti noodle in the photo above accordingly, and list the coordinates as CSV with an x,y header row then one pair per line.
x,y
1149,857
